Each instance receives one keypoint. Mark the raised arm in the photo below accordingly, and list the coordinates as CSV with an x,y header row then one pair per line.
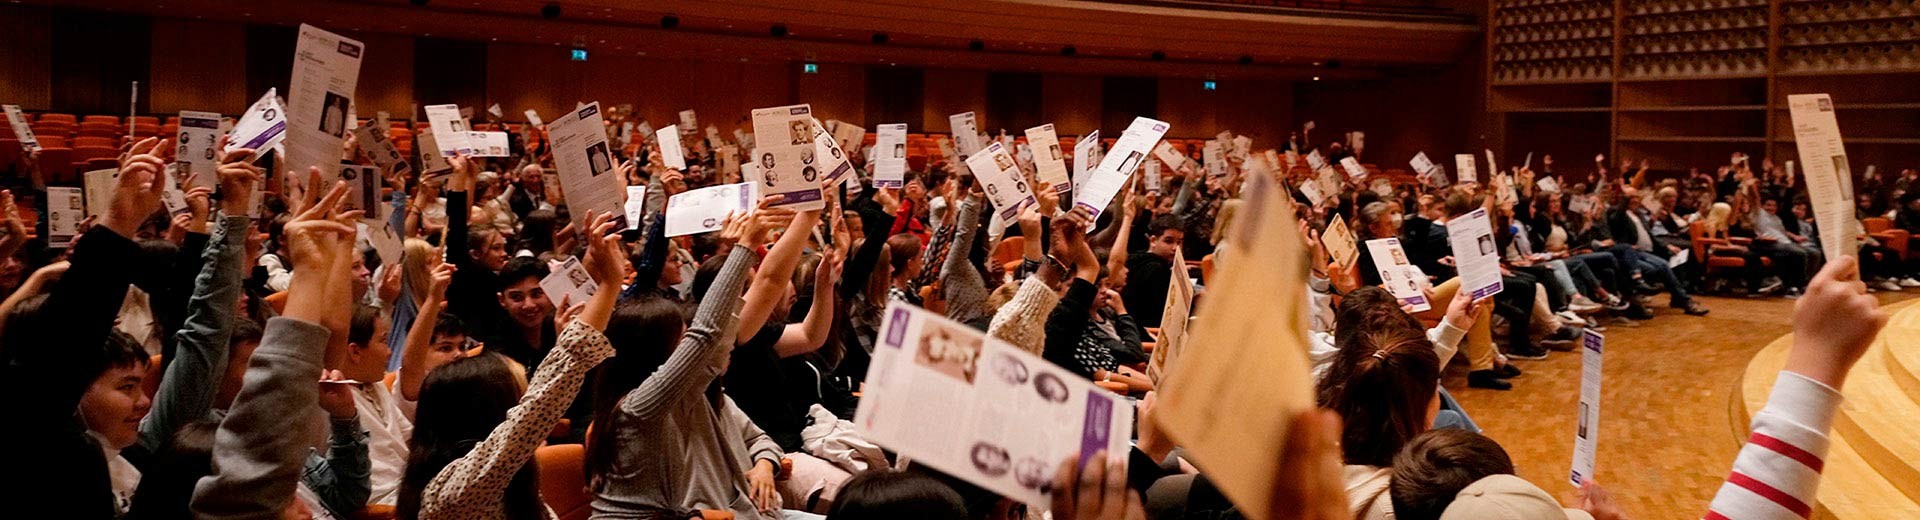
x,y
775,275
413,355
473,485
1069,319
965,291
811,333
703,350
1777,474
256,461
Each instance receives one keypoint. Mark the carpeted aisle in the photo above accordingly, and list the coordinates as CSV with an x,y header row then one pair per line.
x,y
1667,424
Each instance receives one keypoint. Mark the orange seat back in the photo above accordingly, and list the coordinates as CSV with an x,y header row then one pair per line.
x,y
563,481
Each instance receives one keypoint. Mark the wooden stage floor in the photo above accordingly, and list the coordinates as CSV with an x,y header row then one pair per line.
x,y
1668,426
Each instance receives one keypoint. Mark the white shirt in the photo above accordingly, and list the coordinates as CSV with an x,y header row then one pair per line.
x,y
121,474
388,429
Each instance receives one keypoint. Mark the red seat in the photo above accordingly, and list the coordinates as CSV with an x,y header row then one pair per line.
x,y
173,120
52,129
98,129
146,120
56,165
111,120
83,153
50,140
66,118
146,130
170,129
10,153
106,142
98,163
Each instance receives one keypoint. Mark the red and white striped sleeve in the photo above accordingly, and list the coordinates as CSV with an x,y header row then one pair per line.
x,y
1777,473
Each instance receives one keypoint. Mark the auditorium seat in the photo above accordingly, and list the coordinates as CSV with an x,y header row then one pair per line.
x,y
1881,228
170,129
10,153
111,120
58,118
146,120
83,154
563,483
50,140
144,130
104,142
98,129
173,120
44,130
56,165
97,163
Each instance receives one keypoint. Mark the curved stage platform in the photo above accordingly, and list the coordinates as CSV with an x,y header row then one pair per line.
x,y
1873,467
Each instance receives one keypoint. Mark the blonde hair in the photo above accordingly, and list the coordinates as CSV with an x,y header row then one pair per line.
x,y
1224,219
417,268
1717,216
1002,295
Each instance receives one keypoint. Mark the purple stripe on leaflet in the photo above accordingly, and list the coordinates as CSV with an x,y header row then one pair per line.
x,y
897,332
1096,430
834,176
886,184
272,131
796,197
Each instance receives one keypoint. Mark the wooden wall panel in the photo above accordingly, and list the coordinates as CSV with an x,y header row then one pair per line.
x,y
28,55
951,91
386,76
1071,103
838,91
198,65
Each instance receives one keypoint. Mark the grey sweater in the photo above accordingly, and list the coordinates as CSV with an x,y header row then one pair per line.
x,y
259,450
965,291
678,451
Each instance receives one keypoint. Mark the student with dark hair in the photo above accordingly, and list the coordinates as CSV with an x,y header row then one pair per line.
x,y
886,495
1384,385
480,400
524,331
1148,273
1438,464
665,444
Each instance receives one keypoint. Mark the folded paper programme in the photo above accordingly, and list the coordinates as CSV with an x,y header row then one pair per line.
x,y
890,156
706,209
194,151
979,409
326,67
588,176
1002,181
263,127
1048,160
1829,179
1128,152
1243,376
785,157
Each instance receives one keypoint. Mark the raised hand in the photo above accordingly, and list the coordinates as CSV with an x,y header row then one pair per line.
x,y
336,396
320,239
605,261
1049,199
1833,323
237,177
673,181
16,230
1097,492
137,194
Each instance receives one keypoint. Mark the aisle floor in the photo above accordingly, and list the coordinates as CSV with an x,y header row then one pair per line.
x,y
1668,433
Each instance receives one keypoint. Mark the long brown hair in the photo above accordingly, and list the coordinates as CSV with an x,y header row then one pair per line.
x,y
1381,384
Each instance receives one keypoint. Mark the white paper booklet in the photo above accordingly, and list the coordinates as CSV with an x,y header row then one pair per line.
x,y
706,209
21,130
1586,434
1125,158
386,243
1390,260
1002,181
326,67
99,185
1548,184
890,156
1338,240
1215,154
1353,168
830,159
568,282
261,128
1463,167
1829,179
671,154
363,188
966,133
981,410
1048,160
1316,161
66,207
849,136
587,172
785,160
194,151
1150,175
378,146
1475,254
1172,158
636,205
449,130
1421,164
431,160
489,144
688,119
533,118
1083,158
